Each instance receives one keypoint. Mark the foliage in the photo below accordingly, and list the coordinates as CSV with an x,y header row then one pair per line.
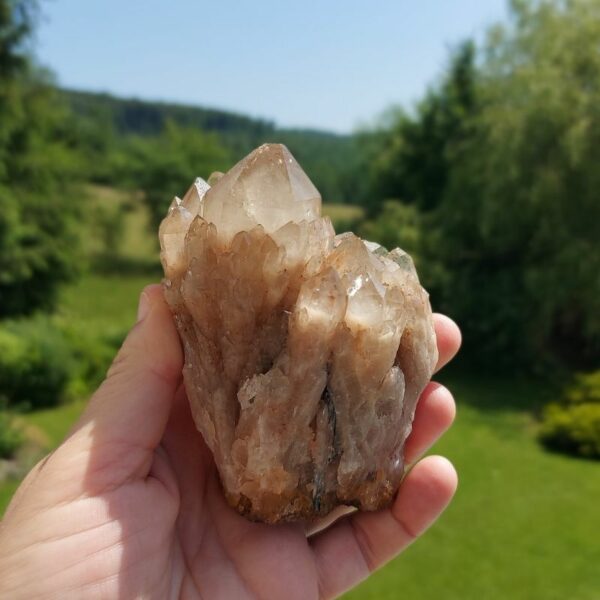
x,y
585,389
574,425
104,124
16,22
92,355
415,153
502,156
37,242
166,165
10,436
110,224
35,363
397,225
572,429
43,362
130,116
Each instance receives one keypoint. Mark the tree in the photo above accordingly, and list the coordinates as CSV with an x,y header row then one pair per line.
x,y
37,240
414,155
502,161
520,217
166,165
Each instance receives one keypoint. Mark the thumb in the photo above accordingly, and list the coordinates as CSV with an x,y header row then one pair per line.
x,y
133,403
125,419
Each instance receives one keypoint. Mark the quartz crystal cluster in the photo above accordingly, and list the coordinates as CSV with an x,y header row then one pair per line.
x,y
305,352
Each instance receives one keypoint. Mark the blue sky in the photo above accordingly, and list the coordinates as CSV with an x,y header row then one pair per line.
x,y
329,64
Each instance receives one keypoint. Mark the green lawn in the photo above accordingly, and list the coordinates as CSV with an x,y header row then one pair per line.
x,y
7,489
342,214
524,524
104,302
55,423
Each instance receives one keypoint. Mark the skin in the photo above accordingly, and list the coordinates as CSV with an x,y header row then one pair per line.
x,y
129,506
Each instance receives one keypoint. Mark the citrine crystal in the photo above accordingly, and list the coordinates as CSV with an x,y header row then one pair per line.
x,y
305,352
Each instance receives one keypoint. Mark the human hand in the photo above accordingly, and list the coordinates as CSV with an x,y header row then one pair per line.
x,y
130,506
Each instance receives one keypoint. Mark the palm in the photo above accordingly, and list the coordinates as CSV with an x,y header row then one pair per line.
x,y
220,553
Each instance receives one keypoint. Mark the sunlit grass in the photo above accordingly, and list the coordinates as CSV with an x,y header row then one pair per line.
x,y
55,423
341,214
104,303
7,489
524,523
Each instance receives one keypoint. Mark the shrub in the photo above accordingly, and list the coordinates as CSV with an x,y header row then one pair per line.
x,y
397,225
573,426
43,362
36,363
586,389
10,437
93,355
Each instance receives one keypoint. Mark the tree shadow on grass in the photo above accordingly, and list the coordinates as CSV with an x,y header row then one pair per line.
x,y
106,264
494,392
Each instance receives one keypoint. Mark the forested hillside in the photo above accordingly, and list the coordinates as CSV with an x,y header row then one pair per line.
x,y
105,121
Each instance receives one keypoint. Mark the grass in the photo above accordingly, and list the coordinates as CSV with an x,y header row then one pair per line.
x,y
342,214
524,523
104,302
55,423
7,489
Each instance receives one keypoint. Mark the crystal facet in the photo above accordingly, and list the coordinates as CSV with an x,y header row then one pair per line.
x,y
305,352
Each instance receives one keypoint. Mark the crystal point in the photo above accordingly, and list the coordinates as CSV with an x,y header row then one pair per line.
x,y
305,352
268,187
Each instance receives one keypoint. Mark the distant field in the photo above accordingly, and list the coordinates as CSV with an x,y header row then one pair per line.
x,y
342,213
104,303
138,242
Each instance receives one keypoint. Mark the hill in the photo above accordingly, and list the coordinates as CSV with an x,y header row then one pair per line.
x,y
332,160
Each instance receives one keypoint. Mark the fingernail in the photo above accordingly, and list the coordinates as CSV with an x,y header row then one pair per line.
x,y
143,307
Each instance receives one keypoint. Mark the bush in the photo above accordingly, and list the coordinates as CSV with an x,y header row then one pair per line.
x,y
36,363
43,362
10,437
93,356
167,164
397,225
574,429
405,226
586,389
573,426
